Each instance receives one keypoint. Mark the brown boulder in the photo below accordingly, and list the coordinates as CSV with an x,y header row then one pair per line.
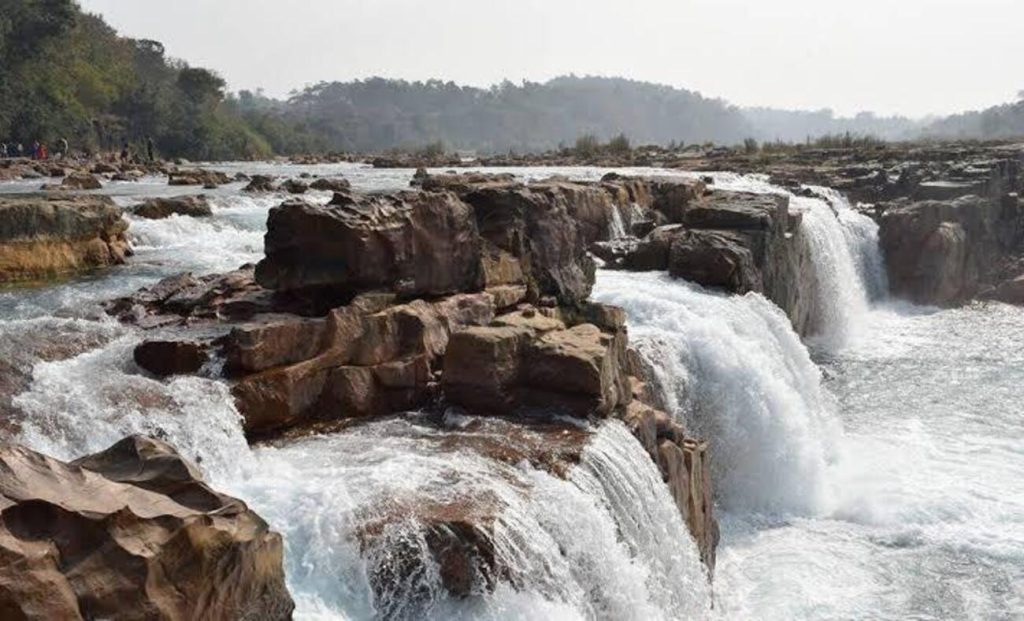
x,y
721,259
160,208
167,358
411,243
527,363
81,181
260,183
198,177
130,533
331,184
45,236
295,186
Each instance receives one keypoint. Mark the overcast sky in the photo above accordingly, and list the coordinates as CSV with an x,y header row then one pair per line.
x,y
912,57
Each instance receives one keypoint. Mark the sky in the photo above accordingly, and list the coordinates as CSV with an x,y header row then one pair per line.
x,y
910,57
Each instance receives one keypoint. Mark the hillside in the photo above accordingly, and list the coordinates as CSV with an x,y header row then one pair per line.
x,y
67,74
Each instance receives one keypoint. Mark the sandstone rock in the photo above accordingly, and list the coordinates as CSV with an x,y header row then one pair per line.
x,y
528,363
535,227
160,208
1011,291
369,358
131,533
81,181
198,177
940,252
46,236
721,259
683,464
167,358
331,184
411,243
295,186
260,183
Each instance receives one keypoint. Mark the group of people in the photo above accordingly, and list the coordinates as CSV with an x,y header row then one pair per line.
x,y
38,150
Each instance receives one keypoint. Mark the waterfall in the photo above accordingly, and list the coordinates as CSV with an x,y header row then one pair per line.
x,y
735,370
616,224
603,542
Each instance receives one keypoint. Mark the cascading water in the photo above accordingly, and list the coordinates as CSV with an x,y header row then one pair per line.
x,y
735,370
912,512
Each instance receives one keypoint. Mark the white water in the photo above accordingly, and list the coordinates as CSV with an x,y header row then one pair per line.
x,y
888,486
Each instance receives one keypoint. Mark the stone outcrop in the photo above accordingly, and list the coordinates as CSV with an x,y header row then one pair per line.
x,y
470,298
260,184
526,363
160,208
948,252
330,184
198,177
166,358
46,236
130,533
411,243
81,181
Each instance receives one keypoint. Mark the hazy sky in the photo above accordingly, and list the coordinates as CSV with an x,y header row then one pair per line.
x,y
912,57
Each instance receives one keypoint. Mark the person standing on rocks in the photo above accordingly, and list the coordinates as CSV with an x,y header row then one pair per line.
x,y
35,150
3,150
64,148
150,149
125,152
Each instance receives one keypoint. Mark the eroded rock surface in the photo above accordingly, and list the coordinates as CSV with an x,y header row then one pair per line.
x,y
46,236
130,533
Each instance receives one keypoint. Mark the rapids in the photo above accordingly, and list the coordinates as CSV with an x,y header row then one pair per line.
x,y
876,471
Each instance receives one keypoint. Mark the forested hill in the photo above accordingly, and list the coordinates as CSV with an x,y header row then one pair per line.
x,y
67,74
378,114
995,123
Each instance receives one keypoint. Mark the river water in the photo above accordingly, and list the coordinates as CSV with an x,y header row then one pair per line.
x,y
874,471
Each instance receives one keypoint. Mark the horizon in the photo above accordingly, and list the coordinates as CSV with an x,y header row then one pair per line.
x,y
859,63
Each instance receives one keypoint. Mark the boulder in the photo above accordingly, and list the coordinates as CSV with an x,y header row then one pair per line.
x,y
198,177
942,252
372,357
529,363
1010,291
412,243
295,186
720,259
46,236
331,184
167,358
535,227
260,183
131,533
160,208
81,181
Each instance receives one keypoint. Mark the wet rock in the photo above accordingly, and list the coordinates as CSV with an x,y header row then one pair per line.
x,y
684,465
944,252
260,184
81,181
372,357
198,177
46,236
411,243
536,228
295,186
167,358
160,208
131,533
528,363
721,259
331,184
1010,291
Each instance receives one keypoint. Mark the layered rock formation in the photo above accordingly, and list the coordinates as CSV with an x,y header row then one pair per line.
x,y
469,296
130,533
160,208
948,252
45,236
